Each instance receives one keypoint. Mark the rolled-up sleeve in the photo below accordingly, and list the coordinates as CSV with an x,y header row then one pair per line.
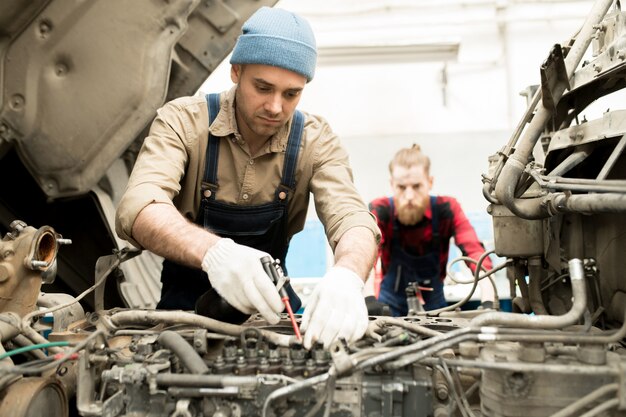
x,y
337,201
159,167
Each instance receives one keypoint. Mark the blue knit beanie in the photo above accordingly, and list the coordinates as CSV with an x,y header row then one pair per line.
x,y
278,38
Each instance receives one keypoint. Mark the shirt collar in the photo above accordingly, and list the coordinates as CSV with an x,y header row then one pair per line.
x,y
225,124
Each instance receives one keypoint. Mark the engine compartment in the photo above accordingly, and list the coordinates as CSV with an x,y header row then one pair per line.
x,y
139,362
557,194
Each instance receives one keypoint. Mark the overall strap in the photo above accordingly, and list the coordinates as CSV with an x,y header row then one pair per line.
x,y
435,223
288,180
394,221
209,182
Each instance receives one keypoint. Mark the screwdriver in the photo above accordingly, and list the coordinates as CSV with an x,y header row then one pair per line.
x,y
272,271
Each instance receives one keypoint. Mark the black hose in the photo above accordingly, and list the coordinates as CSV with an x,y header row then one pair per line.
x,y
183,350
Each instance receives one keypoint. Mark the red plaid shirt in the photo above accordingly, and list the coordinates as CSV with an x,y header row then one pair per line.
x,y
416,239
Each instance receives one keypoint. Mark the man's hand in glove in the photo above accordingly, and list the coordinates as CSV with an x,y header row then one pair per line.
x,y
335,309
236,273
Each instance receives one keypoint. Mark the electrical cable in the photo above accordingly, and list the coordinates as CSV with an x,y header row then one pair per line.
x,y
477,278
26,319
464,259
24,369
23,349
445,371
496,300
21,340
464,400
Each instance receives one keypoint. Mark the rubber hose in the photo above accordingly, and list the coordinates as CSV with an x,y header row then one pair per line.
x,y
183,350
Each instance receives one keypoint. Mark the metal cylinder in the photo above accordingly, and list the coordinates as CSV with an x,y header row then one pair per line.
x,y
34,397
579,305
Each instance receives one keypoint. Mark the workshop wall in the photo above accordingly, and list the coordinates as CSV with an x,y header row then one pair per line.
x,y
446,74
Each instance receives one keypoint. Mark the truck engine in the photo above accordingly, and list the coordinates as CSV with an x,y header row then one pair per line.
x,y
557,198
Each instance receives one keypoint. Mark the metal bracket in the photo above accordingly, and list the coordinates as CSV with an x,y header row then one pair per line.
x,y
553,77
341,356
390,389
610,162
104,266
219,15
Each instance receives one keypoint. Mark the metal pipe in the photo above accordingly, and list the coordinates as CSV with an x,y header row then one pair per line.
x,y
214,381
602,407
592,203
424,353
540,336
570,162
528,367
608,165
25,369
578,184
22,340
593,396
586,181
183,351
415,347
36,338
534,287
10,326
579,305
290,389
515,165
528,114
523,302
152,317
419,351
381,322
594,188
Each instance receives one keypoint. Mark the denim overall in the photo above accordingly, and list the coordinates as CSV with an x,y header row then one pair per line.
x,y
406,268
263,227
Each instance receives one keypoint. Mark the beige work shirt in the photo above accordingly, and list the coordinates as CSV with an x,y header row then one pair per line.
x,y
170,169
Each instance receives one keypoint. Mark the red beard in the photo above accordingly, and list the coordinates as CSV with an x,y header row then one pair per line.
x,y
410,215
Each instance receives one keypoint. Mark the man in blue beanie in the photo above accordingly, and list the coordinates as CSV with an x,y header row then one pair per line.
x,y
224,180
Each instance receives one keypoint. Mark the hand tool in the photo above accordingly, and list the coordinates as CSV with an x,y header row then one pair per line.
x,y
275,272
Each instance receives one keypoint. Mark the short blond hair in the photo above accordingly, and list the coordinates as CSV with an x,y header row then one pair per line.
x,y
408,157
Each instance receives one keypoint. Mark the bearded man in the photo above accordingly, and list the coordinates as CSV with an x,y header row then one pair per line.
x,y
416,229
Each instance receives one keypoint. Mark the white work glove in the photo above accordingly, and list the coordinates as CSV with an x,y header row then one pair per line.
x,y
336,309
236,273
